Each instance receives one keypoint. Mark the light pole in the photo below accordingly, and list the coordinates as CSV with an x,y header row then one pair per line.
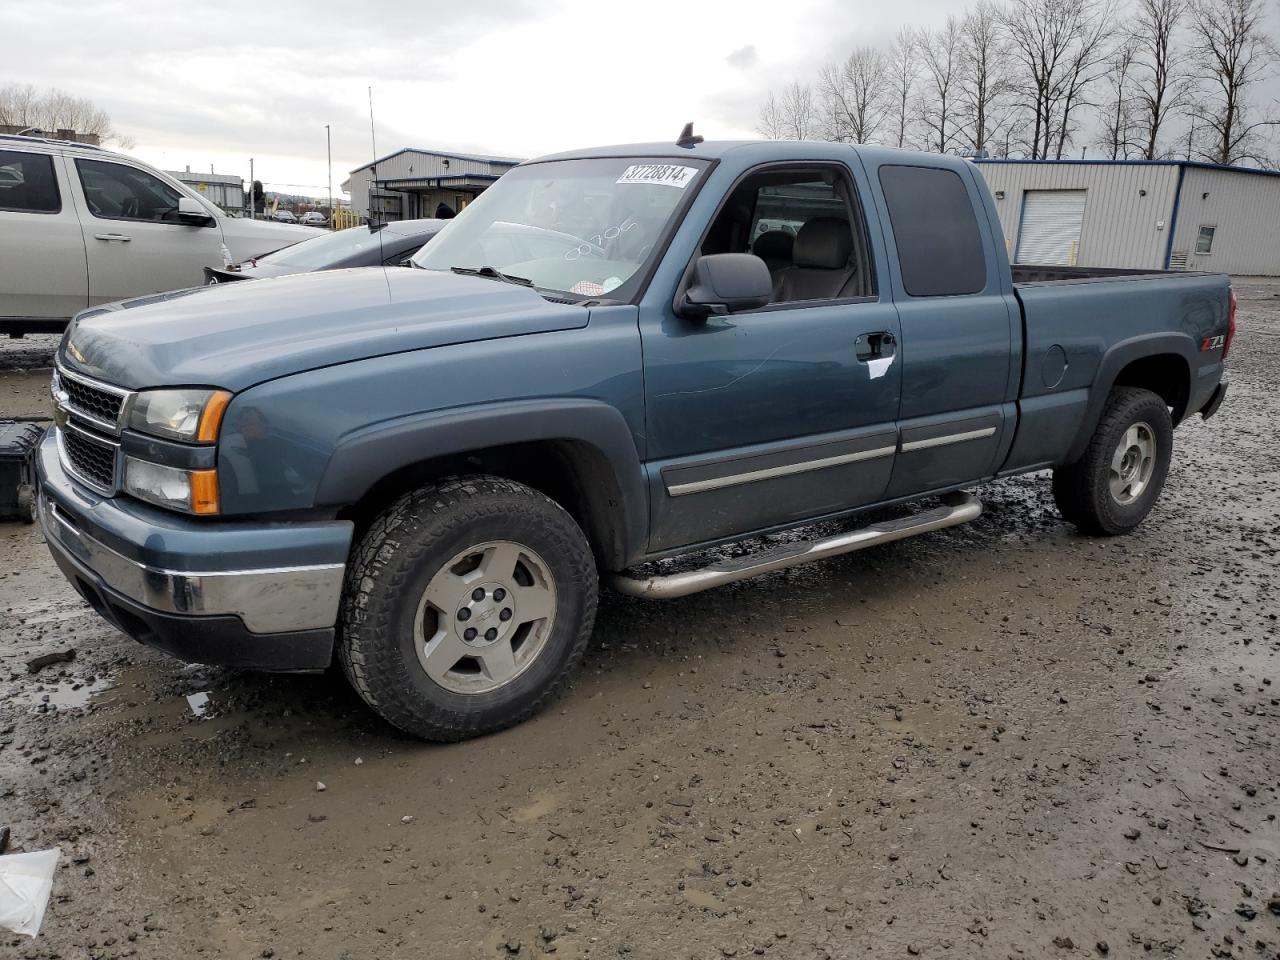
x,y
328,148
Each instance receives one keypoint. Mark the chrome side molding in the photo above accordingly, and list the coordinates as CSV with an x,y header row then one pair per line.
x,y
956,508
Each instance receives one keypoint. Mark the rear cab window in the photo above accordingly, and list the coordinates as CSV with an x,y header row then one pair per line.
x,y
935,231
28,183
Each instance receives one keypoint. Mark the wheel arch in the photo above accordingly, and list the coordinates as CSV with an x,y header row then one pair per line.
x,y
1161,363
578,452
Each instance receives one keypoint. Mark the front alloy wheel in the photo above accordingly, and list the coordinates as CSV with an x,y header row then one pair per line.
x,y
485,617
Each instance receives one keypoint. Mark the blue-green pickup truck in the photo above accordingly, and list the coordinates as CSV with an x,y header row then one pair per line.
x,y
612,356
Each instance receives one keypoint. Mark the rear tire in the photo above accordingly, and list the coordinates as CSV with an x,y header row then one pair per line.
x,y
1114,485
467,607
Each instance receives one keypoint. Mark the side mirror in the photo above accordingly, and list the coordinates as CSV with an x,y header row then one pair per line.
x,y
191,212
726,283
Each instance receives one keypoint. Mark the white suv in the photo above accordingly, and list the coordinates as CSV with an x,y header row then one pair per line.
x,y
81,226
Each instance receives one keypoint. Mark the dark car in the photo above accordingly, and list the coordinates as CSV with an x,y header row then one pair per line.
x,y
373,245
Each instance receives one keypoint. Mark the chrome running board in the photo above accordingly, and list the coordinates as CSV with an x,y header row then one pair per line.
x,y
956,508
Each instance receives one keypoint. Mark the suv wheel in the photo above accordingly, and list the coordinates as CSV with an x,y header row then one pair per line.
x,y
1112,488
467,607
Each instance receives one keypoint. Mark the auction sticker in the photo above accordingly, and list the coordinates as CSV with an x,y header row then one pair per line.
x,y
667,174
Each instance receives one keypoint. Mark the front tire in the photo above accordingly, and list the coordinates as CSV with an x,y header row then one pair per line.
x,y
467,607
1112,488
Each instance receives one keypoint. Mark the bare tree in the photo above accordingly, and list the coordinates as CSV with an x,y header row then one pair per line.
x,y
1086,65
769,123
798,114
1116,112
1061,48
1161,86
18,104
984,77
940,55
903,69
853,96
1231,54
22,105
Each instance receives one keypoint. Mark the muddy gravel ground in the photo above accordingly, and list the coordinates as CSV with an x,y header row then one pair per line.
x,y
1000,740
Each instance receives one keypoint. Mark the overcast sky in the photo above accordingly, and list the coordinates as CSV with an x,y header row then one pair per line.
x,y
198,84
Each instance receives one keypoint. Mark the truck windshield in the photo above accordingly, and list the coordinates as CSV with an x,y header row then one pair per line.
x,y
581,227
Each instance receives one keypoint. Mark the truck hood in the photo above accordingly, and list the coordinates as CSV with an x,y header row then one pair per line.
x,y
253,238
237,334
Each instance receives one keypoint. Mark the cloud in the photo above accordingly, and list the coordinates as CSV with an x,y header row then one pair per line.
x,y
744,58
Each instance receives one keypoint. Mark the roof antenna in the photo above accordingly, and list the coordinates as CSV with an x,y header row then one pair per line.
x,y
688,139
373,138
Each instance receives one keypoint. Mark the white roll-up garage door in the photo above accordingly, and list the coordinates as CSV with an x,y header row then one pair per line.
x,y
1049,231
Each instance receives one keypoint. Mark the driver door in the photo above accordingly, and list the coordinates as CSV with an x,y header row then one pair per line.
x,y
787,413
132,237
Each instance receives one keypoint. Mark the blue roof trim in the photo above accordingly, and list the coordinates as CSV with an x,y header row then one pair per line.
x,y
1196,164
474,157
1173,218
452,176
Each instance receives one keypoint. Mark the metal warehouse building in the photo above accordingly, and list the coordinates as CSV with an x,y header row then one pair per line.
x,y
224,189
1145,214
411,182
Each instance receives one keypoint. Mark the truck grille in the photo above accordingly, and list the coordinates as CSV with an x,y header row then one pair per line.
x,y
90,458
93,401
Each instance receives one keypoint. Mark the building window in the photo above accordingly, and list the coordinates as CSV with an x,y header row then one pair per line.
x,y
1204,240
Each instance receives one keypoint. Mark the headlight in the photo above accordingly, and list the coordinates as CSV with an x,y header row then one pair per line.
x,y
190,415
192,491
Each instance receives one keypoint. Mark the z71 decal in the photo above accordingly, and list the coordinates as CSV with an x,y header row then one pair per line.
x,y
1212,343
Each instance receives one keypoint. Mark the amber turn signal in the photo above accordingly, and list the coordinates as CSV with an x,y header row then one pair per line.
x,y
204,490
211,418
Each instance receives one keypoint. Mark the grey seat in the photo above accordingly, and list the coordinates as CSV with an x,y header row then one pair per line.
x,y
774,248
822,265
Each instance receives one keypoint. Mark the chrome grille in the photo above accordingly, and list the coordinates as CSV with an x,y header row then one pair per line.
x,y
83,398
100,404
89,458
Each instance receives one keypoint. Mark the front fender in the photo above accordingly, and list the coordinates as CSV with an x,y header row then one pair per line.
x,y
365,456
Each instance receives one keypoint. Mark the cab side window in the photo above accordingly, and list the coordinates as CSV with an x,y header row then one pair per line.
x,y
28,183
805,223
114,191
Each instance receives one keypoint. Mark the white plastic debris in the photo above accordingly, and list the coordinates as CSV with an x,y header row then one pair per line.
x,y
26,880
198,702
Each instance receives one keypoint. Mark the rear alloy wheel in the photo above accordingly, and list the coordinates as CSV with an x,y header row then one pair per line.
x,y
1114,485
468,605
1132,464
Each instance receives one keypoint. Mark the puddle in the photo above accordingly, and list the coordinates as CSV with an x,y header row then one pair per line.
x,y
68,694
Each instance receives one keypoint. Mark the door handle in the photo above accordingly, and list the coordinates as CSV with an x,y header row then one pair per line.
x,y
874,346
118,237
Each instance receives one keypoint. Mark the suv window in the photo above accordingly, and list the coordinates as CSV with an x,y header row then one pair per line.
x,y
805,224
27,183
117,192
935,230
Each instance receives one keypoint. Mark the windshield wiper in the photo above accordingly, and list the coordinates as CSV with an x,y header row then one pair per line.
x,y
493,274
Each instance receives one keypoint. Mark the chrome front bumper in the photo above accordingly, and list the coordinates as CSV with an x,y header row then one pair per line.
x,y
269,600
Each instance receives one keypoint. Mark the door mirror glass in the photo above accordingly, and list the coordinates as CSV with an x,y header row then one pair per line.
x,y
726,283
191,212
